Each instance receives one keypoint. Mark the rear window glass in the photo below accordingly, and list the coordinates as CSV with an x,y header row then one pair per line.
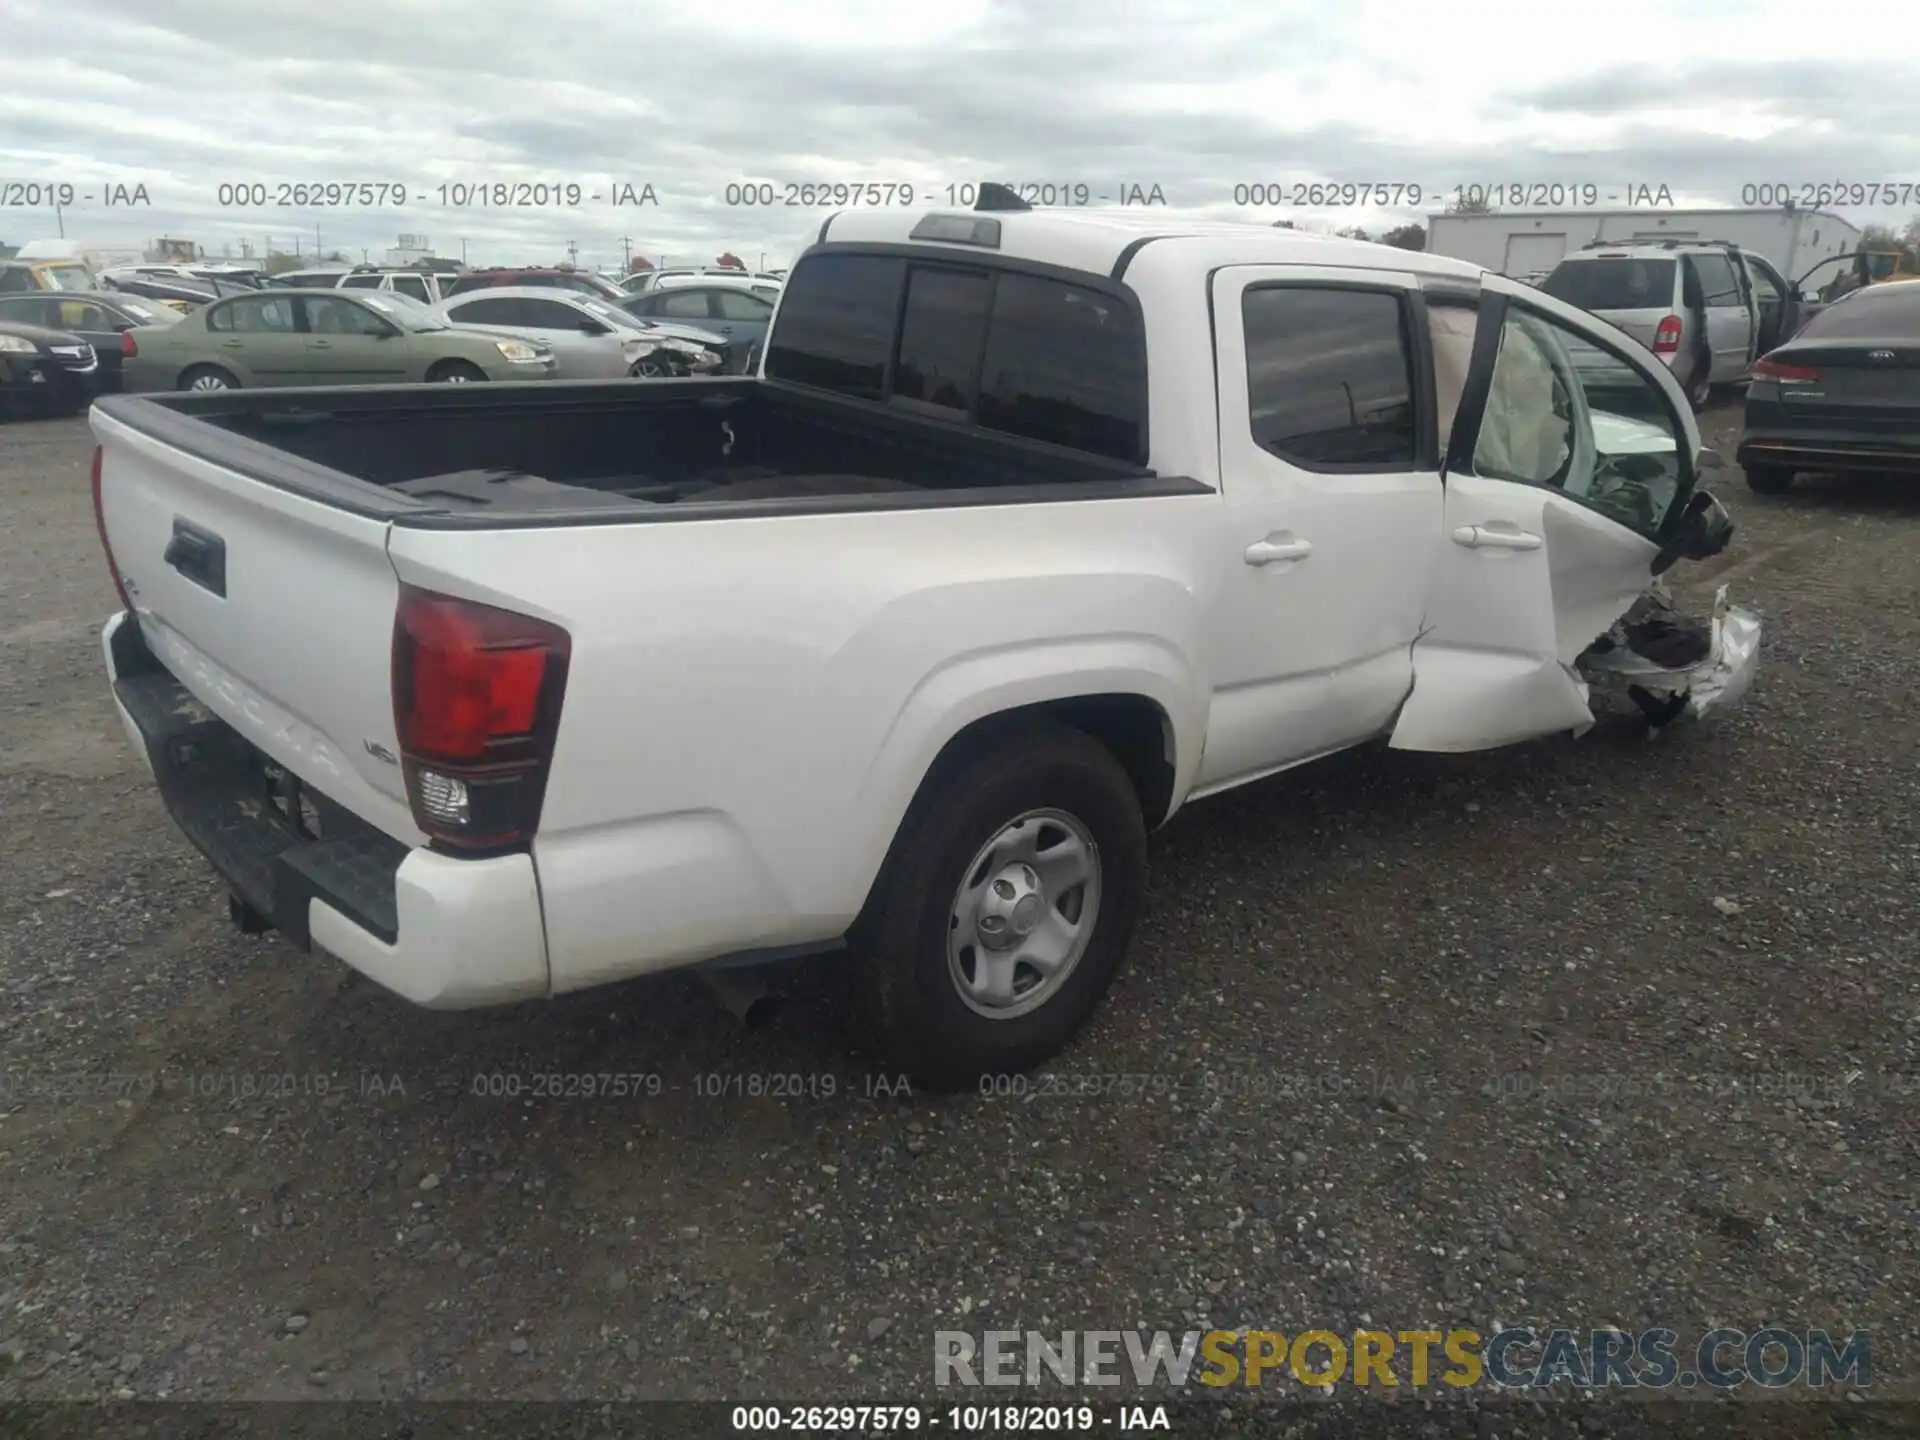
x,y
1613,284
836,326
1066,365
940,338
1057,362
1891,314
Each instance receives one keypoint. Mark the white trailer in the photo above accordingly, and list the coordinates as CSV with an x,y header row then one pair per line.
x,y
1524,243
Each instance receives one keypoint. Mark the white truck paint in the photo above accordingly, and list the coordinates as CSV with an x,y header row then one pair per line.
x,y
1524,242
749,729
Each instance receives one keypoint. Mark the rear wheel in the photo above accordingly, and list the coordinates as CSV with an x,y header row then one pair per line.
x,y
1769,479
456,372
1005,907
207,377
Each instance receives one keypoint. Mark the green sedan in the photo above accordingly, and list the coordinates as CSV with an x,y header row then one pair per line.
x,y
321,337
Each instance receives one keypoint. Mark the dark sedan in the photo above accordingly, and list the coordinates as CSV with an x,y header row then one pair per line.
x,y
45,372
98,317
1842,395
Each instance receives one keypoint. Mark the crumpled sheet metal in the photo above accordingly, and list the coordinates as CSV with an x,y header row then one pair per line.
x,y
1715,683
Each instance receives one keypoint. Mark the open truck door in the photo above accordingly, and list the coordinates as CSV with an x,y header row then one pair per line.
x,y
1568,479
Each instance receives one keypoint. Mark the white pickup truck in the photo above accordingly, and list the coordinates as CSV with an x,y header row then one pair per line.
x,y
1031,528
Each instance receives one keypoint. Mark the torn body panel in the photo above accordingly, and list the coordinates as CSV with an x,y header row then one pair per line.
x,y
1674,667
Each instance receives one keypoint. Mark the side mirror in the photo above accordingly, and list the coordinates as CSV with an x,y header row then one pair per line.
x,y
1703,531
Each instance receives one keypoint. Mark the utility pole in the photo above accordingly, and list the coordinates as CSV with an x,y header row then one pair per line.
x,y
463,249
573,253
626,253
59,220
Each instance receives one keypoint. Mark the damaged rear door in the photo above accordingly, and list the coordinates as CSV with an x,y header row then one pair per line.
x,y
1567,472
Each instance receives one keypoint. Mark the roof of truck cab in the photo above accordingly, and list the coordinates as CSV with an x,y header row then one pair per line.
x,y
1094,240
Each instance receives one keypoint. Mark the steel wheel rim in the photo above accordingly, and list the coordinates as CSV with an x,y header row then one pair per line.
x,y
1023,914
456,377
207,382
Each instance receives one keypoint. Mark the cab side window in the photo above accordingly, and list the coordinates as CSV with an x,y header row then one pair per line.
x,y
1330,376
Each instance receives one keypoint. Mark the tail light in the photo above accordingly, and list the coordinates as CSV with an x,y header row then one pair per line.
x,y
127,348
100,522
476,703
1666,336
1783,370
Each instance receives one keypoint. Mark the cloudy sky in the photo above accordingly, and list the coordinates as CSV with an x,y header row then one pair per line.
x,y
183,96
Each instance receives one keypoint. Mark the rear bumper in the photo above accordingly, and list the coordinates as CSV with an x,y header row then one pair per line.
x,y
1819,452
443,932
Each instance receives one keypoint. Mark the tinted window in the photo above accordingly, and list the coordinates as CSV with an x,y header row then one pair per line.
x,y
1612,284
332,315
836,325
30,310
1329,376
412,285
1892,313
361,282
549,315
940,337
738,305
681,305
487,312
1064,364
1765,287
1716,279
267,315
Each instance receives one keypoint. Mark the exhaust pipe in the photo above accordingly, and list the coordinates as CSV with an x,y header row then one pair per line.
x,y
744,995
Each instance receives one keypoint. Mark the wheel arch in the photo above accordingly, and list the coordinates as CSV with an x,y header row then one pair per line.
x,y
1141,705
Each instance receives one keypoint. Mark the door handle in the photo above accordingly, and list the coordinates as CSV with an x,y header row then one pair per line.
x,y
1485,537
319,344
1266,552
231,344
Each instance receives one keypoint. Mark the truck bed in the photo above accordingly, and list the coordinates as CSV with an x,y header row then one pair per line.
x,y
592,452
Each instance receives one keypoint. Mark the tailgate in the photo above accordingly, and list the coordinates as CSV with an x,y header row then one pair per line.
x,y
274,609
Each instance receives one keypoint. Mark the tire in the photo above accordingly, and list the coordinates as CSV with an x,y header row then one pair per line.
x,y
1768,479
205,378
654,368
456,372
1038,785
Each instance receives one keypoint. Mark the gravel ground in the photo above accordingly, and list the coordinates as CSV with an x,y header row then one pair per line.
x,y
1588,1031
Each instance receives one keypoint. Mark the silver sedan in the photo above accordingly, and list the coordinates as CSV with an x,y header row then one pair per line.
x,y
591,340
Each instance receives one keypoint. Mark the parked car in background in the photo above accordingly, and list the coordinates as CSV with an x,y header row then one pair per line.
x,y
590,339
428,287
324,278
180,293
99,318
1842,395
543,277
648,280
754,284
45,372
1708,309
18,275
199,274
306,337
734,312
